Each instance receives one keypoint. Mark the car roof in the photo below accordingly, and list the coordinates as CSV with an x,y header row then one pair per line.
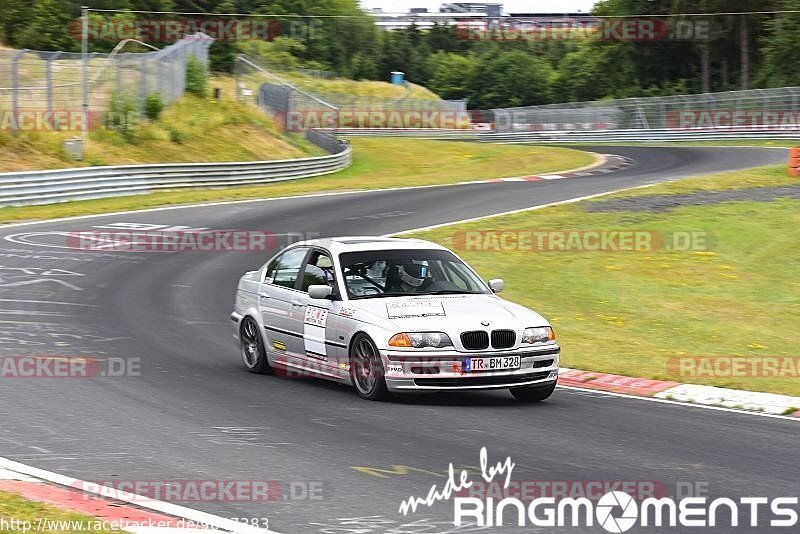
x,y
338,245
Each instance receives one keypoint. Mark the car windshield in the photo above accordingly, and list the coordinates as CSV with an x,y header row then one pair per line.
x,y
393,273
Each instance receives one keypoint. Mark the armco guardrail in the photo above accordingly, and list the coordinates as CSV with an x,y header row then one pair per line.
x,y
638,135
577,136
437,133
42,187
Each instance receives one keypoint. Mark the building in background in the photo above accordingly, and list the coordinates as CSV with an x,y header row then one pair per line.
x,y
450,13
485,9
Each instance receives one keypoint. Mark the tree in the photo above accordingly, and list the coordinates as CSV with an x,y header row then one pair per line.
x,y
451,74
222,54
596,71
15,14
779,45
48,28
509,79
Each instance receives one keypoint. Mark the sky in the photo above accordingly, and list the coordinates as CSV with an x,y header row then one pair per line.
x,y
510,6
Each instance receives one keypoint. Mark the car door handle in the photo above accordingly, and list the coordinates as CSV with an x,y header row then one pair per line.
x,y
296,303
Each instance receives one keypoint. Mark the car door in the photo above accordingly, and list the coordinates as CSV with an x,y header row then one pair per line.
x,y
317,314
279,303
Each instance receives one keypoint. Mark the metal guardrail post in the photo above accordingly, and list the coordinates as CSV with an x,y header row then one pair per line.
x,y
143,82
117,76
15,89
49,79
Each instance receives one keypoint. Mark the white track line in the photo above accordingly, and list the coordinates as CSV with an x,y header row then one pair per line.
x,y
512,212
175,510
683,404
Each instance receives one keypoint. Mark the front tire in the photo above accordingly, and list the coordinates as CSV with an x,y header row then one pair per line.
x,y
533,393
254,356
366,369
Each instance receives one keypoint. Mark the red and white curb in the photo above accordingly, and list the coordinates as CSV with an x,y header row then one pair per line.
x,y
607,163
604,164
735,399
133,513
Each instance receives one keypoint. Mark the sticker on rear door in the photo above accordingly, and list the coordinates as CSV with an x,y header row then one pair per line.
x,y
316,316
314,332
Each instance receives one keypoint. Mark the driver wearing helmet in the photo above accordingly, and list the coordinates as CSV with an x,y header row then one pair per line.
x,y
407,278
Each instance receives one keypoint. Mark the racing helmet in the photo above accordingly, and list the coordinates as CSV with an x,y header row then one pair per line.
x,y
413,274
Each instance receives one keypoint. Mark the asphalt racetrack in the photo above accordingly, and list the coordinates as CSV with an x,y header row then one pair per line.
x,y
342,464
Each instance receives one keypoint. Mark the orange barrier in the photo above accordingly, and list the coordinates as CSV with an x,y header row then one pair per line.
x,y
794,161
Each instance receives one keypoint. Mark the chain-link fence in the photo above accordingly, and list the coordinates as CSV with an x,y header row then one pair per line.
x,y
297,109
51,82
279,97
753,109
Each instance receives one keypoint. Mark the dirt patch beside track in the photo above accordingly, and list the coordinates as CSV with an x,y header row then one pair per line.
x,y
661,203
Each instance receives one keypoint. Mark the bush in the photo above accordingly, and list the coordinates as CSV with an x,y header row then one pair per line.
x,y
196,76
123,117
175,136
153,106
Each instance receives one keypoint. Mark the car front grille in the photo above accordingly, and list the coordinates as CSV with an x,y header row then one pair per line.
x,y
541,364
503,339
480,380
475,340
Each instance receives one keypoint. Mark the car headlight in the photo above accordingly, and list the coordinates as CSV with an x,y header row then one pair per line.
x,y
419,340
540,334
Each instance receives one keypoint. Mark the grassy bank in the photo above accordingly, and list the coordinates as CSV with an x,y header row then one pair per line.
x,y
43,517
362,88
638,313
377,163
192,129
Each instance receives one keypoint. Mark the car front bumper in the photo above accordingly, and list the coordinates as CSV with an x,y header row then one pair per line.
x,y
444,372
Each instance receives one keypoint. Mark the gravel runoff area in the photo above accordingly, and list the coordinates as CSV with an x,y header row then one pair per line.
x,y
661,203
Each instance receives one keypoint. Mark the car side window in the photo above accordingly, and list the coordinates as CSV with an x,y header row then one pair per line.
x,y
318,271
270,272
288,267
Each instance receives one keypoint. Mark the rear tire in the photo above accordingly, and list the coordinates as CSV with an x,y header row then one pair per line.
x,y
533,393
254,356
366,369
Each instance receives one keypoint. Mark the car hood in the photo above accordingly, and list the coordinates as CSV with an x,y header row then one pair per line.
x,y
449,313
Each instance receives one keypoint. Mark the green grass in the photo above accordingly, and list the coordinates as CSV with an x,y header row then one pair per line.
x,y
630,313
366,88
412,162
192,129
15,507
771,175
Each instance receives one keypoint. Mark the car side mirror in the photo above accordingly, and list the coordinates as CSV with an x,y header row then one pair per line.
x,y
319,292
497,285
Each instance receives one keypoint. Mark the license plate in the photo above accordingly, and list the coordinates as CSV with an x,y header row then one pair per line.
x,y
498,363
